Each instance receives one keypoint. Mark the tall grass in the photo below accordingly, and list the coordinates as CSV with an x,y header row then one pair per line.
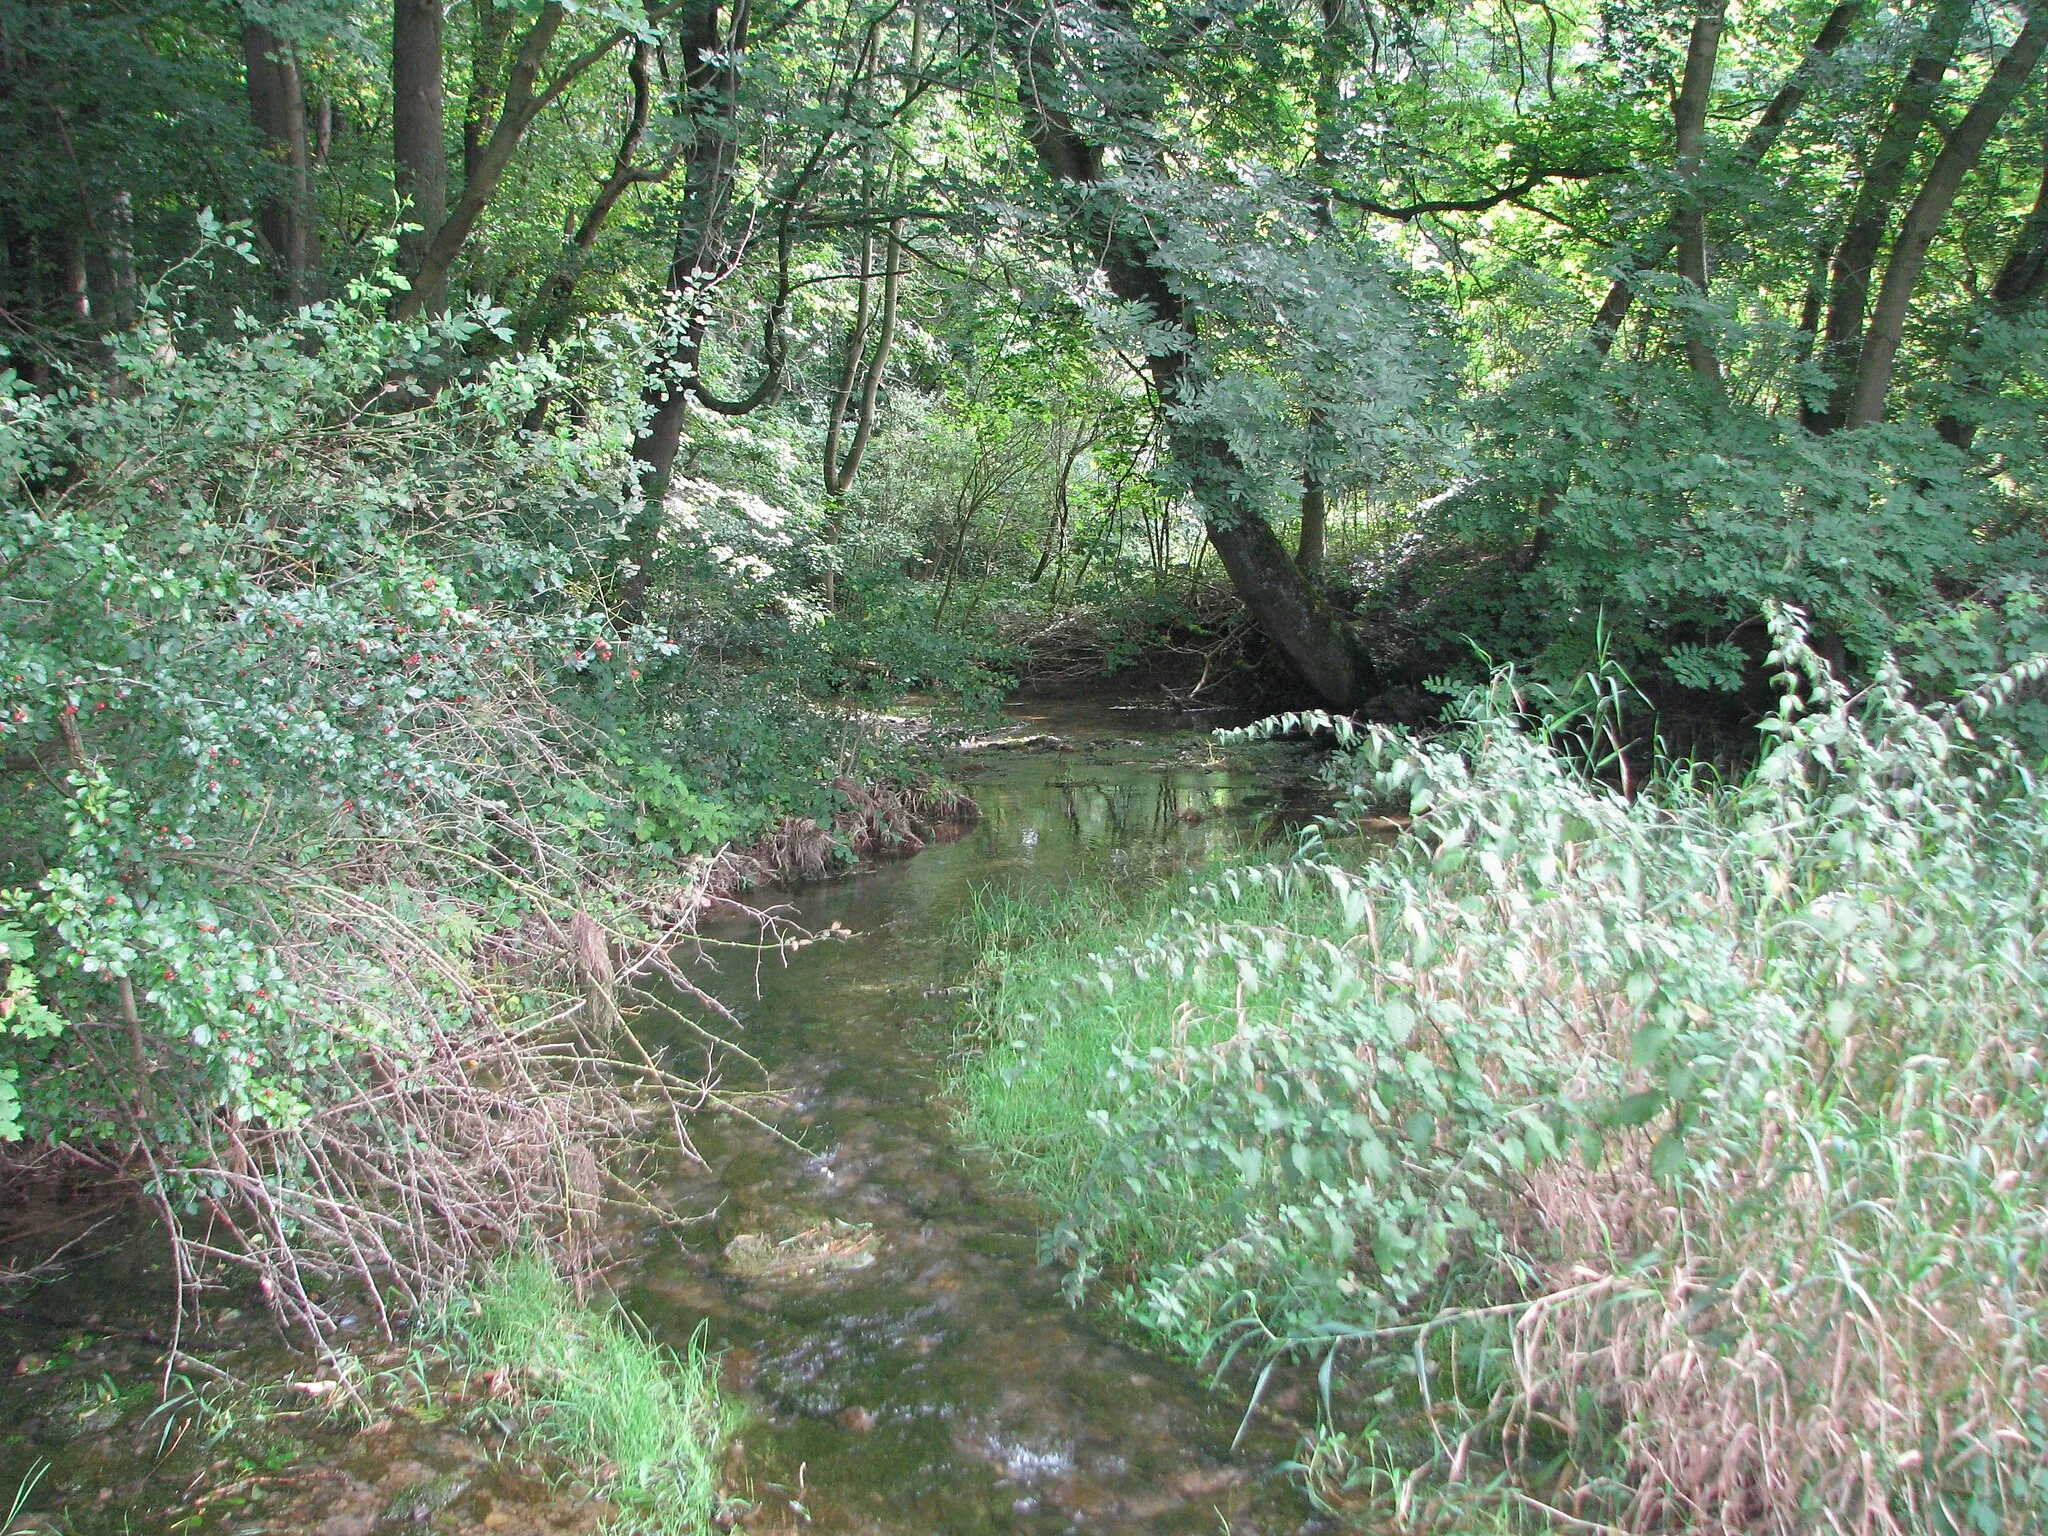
x,y
646,1425
1685,1149
1059,1014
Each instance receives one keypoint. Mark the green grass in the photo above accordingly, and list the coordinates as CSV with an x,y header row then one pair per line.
x,y
1054,1033
646,1426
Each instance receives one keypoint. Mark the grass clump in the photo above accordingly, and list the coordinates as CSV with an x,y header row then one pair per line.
x,y
1670,1157
646,1425
1055,1030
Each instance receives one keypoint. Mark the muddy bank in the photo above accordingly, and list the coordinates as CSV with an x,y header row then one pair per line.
x,y
882,820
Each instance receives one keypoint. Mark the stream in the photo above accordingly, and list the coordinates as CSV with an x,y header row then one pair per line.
x,y
910,1366
947,1387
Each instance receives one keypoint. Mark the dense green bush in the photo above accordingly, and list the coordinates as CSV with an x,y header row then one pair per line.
x,y
1629,502
263,617
320,733
1713,1109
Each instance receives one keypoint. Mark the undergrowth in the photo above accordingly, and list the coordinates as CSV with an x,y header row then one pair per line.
x,y
1669,1159
340,783
645,1425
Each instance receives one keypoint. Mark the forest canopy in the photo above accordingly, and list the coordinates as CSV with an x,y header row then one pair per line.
x,y
1562,318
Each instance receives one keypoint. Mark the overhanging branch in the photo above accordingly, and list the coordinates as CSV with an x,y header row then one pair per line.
x,y
1483,203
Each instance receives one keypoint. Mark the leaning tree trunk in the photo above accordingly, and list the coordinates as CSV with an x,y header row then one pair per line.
x,y
493,35
1299,621
2024,277
1856,255
551,306
1286,606
1924,219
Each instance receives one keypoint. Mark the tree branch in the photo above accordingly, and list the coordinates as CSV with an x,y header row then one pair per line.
x,y
1480,204
522,105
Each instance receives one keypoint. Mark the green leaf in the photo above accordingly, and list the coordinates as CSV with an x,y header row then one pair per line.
x,y
1668,1156
1592,1142
1649,1044
1638,1108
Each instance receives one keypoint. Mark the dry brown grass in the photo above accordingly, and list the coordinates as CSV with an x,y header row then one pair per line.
x,y
1817,1341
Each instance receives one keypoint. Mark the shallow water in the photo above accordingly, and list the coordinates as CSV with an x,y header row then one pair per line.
x,y
911,1367
947,1387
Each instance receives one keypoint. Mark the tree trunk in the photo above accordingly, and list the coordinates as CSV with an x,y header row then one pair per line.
x,y
842,398
1813,302
419,136
856,349
1764,132
1293,615
1313,544
708,104
1924,219
839,472
1062,511
551,305
277,108
2022,280
1870,214
704,254
2024,277
524,102
1762,135
1689,118
699,226
486,81
1757,143
77,282
121,258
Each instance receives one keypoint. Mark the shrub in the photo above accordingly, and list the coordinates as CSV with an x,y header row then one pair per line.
x,y
1623,498
301,793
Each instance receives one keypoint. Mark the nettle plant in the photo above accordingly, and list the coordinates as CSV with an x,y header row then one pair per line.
x,y
1748,1077
291,615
